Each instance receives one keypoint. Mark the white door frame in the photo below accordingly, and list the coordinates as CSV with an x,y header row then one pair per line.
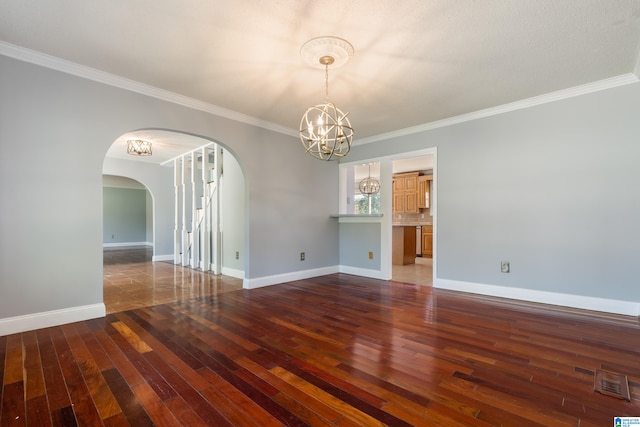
x,y
387,231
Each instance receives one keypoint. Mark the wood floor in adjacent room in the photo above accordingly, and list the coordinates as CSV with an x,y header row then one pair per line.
x,y
131,280
333,350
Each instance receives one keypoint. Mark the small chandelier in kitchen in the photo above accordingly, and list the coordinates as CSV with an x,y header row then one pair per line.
x,y
139,147
369,186
325,131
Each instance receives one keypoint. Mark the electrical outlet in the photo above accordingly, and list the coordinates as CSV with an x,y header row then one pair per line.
x,y
301,256
370,255
237,255
113,236
505,267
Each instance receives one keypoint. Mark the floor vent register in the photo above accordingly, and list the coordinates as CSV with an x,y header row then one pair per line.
x,y
612,384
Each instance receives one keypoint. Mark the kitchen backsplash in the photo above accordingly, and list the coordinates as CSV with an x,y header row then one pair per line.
x,y
423,217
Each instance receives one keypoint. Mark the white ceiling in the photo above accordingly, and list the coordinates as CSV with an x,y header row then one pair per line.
x,y
415,61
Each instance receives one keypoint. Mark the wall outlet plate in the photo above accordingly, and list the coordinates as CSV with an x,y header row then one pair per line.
x,y
301,256
505,267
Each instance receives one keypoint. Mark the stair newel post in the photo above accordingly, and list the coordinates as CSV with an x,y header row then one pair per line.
x,y
205,235
195,244
177,241
185,236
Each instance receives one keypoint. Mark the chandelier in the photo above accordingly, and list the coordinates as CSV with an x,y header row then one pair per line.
x,y
325,131
369,185
138,147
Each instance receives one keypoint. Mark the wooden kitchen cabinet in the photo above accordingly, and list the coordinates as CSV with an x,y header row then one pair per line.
x,y
398,184
423,191
405,193
427,241
398,202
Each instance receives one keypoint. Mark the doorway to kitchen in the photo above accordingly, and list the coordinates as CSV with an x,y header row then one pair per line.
x,y
413,212
370,221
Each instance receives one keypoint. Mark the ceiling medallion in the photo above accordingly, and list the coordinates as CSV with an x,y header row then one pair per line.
x,y
325,131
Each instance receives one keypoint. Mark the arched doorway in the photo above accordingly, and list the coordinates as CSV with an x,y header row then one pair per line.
x,y
178,197
127,213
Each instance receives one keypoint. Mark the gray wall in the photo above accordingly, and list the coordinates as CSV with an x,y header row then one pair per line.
x,y
550,188
149,219
124,215
51,186
159,182
356,241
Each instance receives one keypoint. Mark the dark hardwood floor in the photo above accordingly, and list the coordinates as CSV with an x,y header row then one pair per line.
x,y
333,350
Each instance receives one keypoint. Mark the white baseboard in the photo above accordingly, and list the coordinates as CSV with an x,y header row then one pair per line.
x,y
238,274
29,322
364,272
125,244
259,282
626,308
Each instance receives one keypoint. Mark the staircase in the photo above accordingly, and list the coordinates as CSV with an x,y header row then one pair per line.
x,y
197,215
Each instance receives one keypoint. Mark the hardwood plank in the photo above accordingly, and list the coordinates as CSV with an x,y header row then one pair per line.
x,y
13,360
119,360
37,412
98,354
259,409
408,410
118,420
131,407
83,406
13,411
343,408
146,370
305,407
64,417
102,396
34,378
159,413
132,337
355,398
179,360
56,387
207,412
184,413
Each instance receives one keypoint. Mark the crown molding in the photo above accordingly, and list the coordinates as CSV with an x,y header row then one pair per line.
x,y
612,82
89,73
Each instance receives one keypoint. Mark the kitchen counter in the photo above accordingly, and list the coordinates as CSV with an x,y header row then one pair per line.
x,y
411,224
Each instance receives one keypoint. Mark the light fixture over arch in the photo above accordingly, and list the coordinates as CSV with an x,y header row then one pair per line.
x,y
139,147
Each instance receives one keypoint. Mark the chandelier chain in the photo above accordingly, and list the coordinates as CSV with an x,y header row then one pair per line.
x,y
326,82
